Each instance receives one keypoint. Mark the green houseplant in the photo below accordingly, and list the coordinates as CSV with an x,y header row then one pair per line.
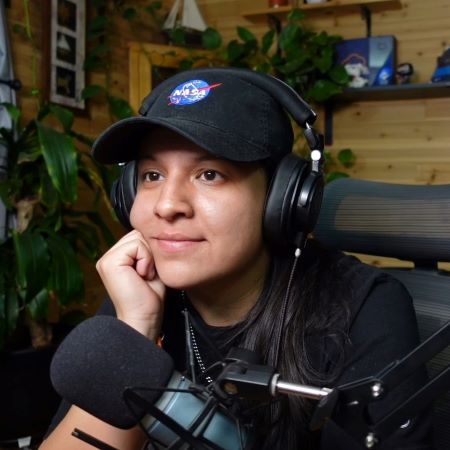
x,y
49,234
300,56
293,52
40,256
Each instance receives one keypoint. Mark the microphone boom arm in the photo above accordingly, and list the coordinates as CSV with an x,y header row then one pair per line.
x,y
347,404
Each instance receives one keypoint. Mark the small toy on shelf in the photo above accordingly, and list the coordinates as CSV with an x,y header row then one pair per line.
x,y
442,72
404,73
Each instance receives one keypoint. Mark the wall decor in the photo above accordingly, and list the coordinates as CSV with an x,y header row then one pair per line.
x,y
150,64
67,52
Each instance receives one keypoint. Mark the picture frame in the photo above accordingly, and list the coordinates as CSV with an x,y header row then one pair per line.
x,y
149,64
66,52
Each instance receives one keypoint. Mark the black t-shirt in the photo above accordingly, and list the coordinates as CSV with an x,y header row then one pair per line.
x,y
383,330
379,305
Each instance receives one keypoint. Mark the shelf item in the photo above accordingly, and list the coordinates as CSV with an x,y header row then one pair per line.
x,y
255,13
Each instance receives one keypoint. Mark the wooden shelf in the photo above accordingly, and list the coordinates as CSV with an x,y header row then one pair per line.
x,y
395,92
413,91
318,7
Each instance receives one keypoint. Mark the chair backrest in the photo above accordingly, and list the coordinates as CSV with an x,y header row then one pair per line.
x,y
406,222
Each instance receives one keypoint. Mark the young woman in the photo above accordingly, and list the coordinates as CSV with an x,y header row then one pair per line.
x,y
199,258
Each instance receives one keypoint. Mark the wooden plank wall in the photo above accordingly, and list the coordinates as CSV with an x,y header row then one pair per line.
x,y
398,141
405,141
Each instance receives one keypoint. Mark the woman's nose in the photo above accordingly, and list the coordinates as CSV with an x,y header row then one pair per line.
x,y
174,200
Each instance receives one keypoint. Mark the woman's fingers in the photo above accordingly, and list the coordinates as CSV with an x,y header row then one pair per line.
x,y
128,273
130,251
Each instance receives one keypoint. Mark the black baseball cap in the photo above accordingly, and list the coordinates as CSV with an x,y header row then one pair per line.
x,y
220,109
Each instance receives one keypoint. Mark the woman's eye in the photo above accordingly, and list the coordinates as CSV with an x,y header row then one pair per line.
x,y
211,175
151,176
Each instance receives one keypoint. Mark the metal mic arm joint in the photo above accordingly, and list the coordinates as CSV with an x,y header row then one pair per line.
x,y
250,381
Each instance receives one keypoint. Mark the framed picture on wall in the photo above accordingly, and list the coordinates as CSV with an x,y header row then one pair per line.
x,y
67,50
150,64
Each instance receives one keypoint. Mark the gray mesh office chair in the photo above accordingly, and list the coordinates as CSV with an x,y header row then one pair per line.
x,y
410,223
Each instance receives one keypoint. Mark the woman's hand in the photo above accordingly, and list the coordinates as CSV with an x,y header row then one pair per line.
x,y
129,275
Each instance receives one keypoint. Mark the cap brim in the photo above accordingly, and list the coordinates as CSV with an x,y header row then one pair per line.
x,y
120,142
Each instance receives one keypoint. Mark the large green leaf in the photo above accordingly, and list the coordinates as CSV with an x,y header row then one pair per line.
x,y
339,75
324,61
32,260
267,41
66,277
293,65
289,37
296,15
323,90
322,39
154,7
119,107
92,90
61,160
38,305
178,36
346,157
64,115
47,192
29,152
245,34
211,39
14,113
235,51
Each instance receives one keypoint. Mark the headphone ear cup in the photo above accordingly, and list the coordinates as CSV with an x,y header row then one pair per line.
x,y
278,222
293,202
123,193
310,202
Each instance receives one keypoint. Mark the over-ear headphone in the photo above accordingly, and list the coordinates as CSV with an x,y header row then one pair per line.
x,y
295,193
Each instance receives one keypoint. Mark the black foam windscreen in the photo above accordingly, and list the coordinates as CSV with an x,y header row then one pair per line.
x,y
99,359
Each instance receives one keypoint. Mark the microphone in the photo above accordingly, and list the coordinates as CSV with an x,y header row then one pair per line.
x,y
104,367
103,364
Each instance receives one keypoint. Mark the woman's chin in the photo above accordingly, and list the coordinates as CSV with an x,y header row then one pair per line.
x,y
177,279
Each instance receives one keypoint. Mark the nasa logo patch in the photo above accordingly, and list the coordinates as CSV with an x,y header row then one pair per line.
x,y
190,92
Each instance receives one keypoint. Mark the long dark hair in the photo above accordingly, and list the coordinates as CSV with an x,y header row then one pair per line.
x,y
316,325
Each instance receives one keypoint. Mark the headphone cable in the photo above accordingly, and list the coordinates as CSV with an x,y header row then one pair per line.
x,y
297,255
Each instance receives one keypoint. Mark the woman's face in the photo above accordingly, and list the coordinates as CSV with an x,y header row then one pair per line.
x,y
202,216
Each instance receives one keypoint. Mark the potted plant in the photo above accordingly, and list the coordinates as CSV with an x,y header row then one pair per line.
x,y
300,56
40,255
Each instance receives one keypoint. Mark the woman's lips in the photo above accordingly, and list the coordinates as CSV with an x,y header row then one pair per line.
x,y
176,242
